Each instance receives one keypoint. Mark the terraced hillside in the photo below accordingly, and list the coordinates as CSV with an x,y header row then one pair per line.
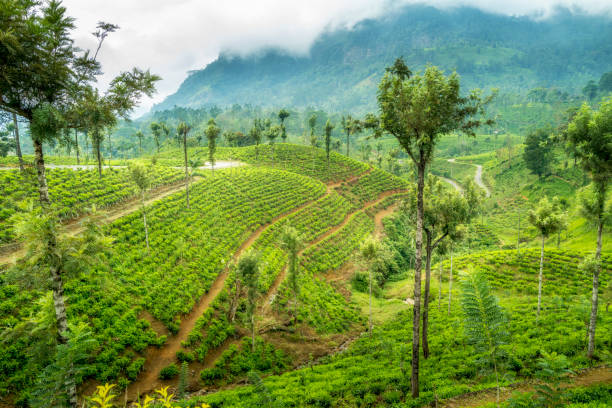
x,y
149,311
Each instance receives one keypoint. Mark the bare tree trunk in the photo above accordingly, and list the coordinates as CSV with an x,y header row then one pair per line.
x,y
540,279
98,157
39,161
440,286
76,144
347,144
110,150
17,143
450,282
595,296
253,331
370,316
186,170
416,318
428,252
144,219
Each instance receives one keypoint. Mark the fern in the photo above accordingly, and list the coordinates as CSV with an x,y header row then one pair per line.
x,y
484,320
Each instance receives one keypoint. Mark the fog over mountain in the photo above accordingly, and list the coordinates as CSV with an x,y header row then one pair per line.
x,y
174,38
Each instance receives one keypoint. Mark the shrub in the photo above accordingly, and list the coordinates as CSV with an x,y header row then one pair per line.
x,y
168,372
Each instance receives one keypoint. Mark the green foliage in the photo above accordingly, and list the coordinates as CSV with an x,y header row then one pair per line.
x,y
538,152
168,372
547,218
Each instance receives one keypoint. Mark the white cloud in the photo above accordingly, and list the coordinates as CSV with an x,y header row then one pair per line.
x,y
172,37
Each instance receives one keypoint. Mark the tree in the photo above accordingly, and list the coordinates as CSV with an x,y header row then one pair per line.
x,y
156,129
443,214
140,136
547,218
212,133
282,115
484,320
417,110
605,82
255,134
369,251
590,90
312,122
350,126
328,130
248,273
141,180
183,129
538,153
291,241
590,134
272,132
61,256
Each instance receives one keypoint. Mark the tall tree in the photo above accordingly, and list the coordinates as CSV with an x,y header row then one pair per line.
x,y
350,126
255,133
590,135
328,131
183,129
444,212
547,218
62,255
156,129
272,132
417,110
291,241
485,321
538,153
312,122
248,273
140,136
141,179
282,115
212,133
369,251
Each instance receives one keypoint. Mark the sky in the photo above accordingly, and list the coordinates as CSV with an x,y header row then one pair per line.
x,y
174,37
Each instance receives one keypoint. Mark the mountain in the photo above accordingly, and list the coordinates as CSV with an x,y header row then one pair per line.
x,y
343,67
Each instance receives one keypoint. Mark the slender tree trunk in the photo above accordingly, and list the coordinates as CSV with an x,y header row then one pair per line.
x,y
540,279
110,150
39,161
252,331
428,252
595,296
144,219
518,238
347,144
76,144
450,282
186,170
17,143
370,315
440,287
98,157
416,318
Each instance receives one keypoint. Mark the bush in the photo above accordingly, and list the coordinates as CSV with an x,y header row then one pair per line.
x,y
168,372
184,356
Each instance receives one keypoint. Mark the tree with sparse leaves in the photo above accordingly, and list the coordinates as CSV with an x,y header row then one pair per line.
x,y
417,110
212,132
182,130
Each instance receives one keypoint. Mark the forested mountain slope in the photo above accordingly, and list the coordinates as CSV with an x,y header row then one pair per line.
x,y
344,66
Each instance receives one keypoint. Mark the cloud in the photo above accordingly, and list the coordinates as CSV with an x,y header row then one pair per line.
x,y
173,37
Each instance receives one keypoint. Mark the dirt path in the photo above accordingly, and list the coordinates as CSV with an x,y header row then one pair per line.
x,y
599,375
453,183
13,252
477,177
158,358
269,298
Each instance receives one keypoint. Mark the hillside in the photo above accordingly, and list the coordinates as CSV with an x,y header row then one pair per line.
x,y
344,67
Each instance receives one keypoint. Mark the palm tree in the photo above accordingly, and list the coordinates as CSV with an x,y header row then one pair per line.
x,y
141,179
547,218
291,241
140,136
183,129
369,252
156,129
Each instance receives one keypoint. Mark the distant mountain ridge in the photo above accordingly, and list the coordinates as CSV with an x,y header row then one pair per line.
x,y
344,66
